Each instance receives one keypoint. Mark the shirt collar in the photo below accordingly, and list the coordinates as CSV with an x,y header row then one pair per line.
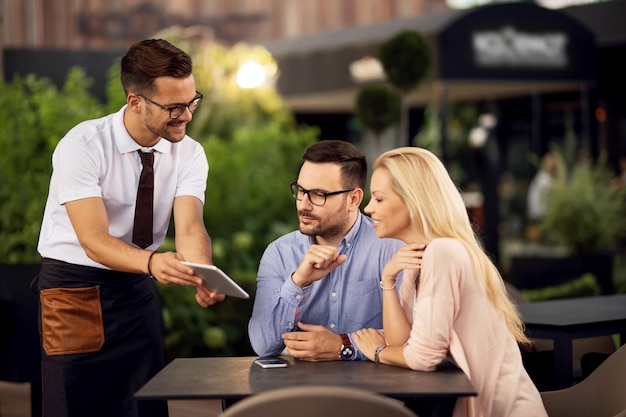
x,y
353,234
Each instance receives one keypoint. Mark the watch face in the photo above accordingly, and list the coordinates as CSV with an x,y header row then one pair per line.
x,y
347,352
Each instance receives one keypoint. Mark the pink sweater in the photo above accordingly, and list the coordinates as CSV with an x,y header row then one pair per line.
x,y
453,313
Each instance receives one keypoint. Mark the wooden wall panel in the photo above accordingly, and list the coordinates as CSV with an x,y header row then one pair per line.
x,y
105,24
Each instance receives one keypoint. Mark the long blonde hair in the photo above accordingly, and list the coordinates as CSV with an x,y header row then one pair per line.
x,y
436,207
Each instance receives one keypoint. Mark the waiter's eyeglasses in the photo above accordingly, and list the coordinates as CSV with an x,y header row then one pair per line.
x,y
177,110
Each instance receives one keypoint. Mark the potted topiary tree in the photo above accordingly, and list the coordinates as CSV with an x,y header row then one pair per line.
x,y
585,211
586,214
406,59
377,108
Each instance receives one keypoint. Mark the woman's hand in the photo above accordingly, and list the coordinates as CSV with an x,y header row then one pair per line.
x,y
408,257
367,340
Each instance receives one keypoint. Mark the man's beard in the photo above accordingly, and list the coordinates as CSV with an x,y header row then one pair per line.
x,y
161,131
327,232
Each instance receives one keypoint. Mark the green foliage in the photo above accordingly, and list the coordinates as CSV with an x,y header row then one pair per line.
x,y
585,212
221,329
35,115
377,107
584,286
406,59
248,198
114,91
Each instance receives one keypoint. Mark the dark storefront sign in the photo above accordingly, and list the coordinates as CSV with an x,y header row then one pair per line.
x,y
518,41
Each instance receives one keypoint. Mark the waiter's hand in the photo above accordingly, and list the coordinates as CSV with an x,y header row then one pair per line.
x,y
167,269
314,343
207,298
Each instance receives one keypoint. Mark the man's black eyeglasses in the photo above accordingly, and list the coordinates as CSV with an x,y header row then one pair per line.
x,y
178,109
316,197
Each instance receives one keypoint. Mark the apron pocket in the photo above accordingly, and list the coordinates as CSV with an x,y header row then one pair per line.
x,y
71,320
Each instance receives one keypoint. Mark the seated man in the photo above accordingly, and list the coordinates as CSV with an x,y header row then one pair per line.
x,y
317,285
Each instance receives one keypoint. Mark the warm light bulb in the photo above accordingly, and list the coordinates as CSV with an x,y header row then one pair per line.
x,y
251,75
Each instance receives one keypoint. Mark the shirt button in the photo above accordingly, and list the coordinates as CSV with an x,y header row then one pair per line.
x,y
290,325
333,294
332,325
298,297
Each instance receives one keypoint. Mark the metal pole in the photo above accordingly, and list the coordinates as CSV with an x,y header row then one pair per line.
x,y
536,142
1,39
584,114
443,120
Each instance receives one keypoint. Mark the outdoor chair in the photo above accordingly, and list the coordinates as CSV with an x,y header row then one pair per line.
x,y
601,394
316,401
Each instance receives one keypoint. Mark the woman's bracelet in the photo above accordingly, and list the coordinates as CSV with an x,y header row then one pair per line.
x,y
149,269
377,353
387,289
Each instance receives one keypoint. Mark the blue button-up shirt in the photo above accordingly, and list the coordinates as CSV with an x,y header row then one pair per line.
x,y
349,298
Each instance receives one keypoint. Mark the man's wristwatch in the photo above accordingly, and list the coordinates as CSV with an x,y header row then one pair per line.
x,y
346,352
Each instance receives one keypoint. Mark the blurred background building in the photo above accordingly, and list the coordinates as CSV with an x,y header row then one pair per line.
x,y
510,81
573,93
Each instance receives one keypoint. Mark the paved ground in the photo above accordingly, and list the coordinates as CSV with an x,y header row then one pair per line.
x,y
15,402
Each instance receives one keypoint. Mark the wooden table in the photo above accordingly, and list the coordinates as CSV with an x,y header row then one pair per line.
x,y
568,319
238,377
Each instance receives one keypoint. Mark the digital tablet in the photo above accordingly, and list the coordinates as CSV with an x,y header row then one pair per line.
x,y
216,279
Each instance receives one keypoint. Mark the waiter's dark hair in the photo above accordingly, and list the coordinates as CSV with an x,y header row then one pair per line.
x,y
149,59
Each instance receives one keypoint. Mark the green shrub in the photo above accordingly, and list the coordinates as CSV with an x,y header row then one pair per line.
x,y
585,286
585,212
249,202
219,330
34,116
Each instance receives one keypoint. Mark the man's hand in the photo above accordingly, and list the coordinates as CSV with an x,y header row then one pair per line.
x,y
313,343
316,264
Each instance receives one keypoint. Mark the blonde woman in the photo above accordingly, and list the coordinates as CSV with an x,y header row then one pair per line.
x,y
452,301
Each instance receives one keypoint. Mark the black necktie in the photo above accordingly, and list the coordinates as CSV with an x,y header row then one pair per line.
x,y
142,230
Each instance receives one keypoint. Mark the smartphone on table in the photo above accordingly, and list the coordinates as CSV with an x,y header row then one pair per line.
x,y
272,362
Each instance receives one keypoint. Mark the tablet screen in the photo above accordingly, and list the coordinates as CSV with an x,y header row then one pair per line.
x,y
216,279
